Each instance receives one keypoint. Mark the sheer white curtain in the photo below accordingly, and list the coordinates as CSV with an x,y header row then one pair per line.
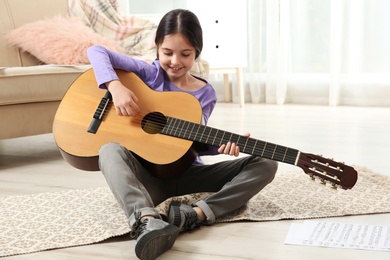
x,y
333,52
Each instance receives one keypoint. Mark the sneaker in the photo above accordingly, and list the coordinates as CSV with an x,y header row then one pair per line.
x,y
154,237
183,216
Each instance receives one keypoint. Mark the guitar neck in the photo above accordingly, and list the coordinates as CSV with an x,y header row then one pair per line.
x,y
215,137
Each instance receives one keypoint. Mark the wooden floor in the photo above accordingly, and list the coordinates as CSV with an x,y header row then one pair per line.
x,y
351,134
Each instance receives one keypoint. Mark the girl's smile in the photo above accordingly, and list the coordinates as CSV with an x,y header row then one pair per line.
x,y
175,69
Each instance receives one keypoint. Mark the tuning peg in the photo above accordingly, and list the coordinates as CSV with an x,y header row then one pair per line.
x,y
334,186
323,181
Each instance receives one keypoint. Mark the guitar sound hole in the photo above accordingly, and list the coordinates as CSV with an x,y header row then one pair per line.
x,y
153,123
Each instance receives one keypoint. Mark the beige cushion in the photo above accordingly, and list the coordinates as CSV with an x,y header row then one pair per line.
x,y
37,83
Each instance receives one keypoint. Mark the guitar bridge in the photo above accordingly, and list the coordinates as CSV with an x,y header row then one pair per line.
x,y
99,113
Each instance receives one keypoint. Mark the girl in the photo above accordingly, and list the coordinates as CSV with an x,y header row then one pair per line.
x,y
179,44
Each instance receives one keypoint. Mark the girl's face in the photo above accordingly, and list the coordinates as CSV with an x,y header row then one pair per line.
x,y
176,56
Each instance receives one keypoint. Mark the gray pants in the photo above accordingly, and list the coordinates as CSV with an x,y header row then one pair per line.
x,y
233,182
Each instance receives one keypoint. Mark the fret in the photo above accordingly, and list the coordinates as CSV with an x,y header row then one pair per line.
x,y
192,131
179,127
273,153
291,156
215,136
226,138
212,132
197,131
240,142
246,142
238,139
268,153
284,155
204,135
199,137
174,126
168,130
170,127
279,154
223,136
186,131
254,147
262,153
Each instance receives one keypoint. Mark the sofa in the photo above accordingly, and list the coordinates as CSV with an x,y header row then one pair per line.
x,y
31,90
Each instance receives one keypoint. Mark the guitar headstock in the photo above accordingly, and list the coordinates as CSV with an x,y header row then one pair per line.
x,y
327,170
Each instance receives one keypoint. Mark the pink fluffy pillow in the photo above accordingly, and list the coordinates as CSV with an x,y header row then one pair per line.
x,y
58,40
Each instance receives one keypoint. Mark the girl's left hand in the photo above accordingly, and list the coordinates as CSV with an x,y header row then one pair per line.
x,y
231,148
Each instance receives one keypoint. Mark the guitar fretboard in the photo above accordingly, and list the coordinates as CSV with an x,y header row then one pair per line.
x,y
215,137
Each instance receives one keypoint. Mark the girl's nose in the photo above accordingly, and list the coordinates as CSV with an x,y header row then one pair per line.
x,y
175,59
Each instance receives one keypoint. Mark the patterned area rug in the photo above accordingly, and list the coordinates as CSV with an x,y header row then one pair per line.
x,y
37,222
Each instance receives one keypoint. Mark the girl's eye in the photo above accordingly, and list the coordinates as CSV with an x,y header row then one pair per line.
x,y
171,53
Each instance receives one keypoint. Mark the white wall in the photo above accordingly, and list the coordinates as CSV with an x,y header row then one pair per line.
x,y
151,6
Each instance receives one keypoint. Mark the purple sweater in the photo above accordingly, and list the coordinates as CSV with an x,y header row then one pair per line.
x,y
105,61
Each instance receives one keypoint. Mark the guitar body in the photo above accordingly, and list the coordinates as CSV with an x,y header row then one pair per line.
x,y
164,155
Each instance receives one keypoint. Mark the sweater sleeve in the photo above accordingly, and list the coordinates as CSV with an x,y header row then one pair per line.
x,y
104,63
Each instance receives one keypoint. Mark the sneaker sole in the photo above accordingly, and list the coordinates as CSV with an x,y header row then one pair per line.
x,y
156,242
174,215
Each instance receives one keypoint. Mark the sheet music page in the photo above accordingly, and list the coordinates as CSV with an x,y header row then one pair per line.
x,y
340,235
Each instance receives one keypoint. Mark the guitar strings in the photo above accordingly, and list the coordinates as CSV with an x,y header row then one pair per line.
x,y
158,122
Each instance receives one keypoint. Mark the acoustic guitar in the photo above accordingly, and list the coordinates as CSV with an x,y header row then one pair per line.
x,y
166,136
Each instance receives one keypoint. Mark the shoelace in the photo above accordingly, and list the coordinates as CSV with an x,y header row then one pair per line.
x,y
191,220
141,227
138,227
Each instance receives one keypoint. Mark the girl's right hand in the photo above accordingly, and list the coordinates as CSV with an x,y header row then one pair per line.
x,y
125,101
